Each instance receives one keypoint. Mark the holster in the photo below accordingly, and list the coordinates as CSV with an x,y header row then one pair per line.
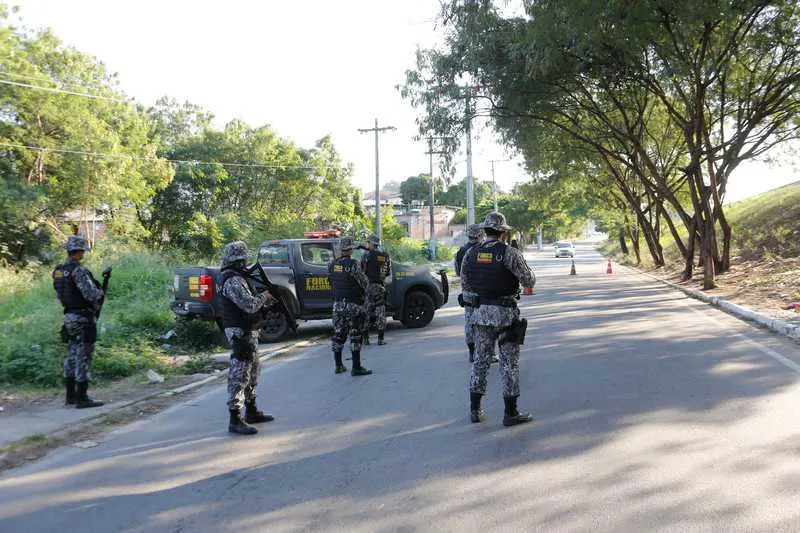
x,y
469,300
515,333
243,349
90,333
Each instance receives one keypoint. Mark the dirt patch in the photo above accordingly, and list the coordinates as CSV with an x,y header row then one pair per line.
x,y
765,286
32,401
84,433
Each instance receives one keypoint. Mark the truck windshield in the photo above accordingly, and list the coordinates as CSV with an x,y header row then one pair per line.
x,y
274,253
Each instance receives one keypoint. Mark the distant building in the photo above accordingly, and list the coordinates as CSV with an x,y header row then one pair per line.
x,y
417,221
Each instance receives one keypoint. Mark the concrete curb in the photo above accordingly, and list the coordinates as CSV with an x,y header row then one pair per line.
x,y
774,324
264,355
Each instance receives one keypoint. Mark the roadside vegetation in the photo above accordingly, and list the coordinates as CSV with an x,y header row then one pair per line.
x,y
765,266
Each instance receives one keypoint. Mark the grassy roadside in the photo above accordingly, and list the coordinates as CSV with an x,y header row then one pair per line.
x,y
135,316
765,258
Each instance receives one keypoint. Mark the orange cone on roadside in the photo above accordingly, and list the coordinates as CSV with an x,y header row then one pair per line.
x,y
608,268
572,270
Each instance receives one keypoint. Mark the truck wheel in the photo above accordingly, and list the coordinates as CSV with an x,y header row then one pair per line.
x,y
418,310
274,329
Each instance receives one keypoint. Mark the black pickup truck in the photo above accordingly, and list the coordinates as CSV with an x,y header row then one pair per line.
x,y
299,267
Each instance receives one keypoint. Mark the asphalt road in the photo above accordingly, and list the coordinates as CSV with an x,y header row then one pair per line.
x,y
654,413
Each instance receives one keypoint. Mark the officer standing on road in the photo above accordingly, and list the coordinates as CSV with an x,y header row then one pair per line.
x,y
349,284
474,236
240,316
377,265
495,271
81,296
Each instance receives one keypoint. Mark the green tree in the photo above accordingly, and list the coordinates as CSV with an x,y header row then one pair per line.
x,y
418,189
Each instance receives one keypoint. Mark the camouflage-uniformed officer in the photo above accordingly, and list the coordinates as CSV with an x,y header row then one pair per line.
x,y
80,294
240,306
377,265
474,236
348,283
495,271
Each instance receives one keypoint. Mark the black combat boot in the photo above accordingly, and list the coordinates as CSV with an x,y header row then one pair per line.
x,y
471,347
82,400
359,370
512,416
476,414
340,368
69,384
253,416
381,342
239,426
365,338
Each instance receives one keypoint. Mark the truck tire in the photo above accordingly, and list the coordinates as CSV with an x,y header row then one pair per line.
x,y
275,328
417,310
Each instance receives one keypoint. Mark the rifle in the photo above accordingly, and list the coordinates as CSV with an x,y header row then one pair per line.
x,y
106,276
256,272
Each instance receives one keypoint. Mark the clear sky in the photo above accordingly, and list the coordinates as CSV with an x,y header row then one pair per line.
x,y
307,67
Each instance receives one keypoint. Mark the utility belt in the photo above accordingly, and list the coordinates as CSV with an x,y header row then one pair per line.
x,y
81,311
475,301
357,301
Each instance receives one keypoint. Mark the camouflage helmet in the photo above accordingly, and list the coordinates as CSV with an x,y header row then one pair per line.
x,y
496,221
76,243
234,251
474,231
346,243
373,239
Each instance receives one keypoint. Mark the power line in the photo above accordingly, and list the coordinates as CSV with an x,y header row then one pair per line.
x,y
51,80
62,91
180,161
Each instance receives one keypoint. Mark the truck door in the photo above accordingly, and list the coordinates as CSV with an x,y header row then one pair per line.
x,y
313,286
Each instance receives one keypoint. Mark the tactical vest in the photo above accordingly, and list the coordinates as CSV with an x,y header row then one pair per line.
x,y
67,290
344,284
375,266
230,313
460,255
488,276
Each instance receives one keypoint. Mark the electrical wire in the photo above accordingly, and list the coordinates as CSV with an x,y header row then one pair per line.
x,y
62,91
179,161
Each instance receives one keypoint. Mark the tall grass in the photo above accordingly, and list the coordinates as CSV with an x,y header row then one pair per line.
x,y
136,313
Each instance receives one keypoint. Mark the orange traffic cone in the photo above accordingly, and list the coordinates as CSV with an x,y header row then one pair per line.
x,y
572,270
608,268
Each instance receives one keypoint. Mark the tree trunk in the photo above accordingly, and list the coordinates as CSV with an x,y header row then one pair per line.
x,y
675,235
634,231
688,268
708,256
622,244
725,260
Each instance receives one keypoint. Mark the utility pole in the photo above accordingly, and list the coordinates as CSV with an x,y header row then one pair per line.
x,y
430,153
494,184
377,131
470,183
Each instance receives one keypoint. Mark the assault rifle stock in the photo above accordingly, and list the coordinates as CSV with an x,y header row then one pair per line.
x,y
257,273
104,288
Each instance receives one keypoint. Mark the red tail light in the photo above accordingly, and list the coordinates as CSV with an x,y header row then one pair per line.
x,y
206,287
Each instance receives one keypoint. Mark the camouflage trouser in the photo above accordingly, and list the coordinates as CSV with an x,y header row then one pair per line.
x,y
375,307
485,339
242,375
469,332
348,320
80,331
